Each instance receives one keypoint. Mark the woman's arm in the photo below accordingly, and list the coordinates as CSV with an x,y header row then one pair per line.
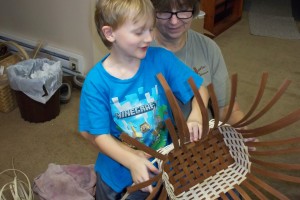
x,y
236,114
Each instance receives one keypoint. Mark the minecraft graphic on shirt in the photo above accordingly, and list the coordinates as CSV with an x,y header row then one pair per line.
x,y
141,115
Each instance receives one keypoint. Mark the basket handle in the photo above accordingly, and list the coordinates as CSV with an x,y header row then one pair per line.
x,y
37,49
20,49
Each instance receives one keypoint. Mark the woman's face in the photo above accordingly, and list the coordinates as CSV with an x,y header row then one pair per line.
x,y
174,27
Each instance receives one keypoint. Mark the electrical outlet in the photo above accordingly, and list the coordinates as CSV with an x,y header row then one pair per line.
x,y
73,64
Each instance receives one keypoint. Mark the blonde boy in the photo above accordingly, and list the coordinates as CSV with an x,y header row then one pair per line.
x,y
121,94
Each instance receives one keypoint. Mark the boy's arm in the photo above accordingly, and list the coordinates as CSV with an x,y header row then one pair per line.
x,y
194,121
91,139
138,164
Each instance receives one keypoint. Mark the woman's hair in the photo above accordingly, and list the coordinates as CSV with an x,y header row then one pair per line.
x,y
114,13
167,5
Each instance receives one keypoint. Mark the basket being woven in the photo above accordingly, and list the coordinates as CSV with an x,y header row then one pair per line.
x,y
219,164
204,169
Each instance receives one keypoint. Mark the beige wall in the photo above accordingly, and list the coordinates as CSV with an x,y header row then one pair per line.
x,y
64,24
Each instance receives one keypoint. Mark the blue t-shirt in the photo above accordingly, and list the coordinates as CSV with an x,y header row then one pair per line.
x,y
137,106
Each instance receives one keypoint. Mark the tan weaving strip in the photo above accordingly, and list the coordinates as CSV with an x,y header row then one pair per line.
x,y
259,95
232,97
276,175
204,112
275,98
238,150
266,187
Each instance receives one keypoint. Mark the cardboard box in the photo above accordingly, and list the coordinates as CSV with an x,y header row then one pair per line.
x,y
198,22
198,25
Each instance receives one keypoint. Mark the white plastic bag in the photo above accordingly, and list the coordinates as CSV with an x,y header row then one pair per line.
x,y
37,78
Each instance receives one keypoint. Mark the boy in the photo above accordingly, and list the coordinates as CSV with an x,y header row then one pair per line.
x,y
121,94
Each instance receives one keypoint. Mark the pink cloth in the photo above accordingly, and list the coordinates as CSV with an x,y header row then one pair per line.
x,y
66,182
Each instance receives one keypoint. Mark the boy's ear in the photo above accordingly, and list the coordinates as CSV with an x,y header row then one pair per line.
x,y
108,33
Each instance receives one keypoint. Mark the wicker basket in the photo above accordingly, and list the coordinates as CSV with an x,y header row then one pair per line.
x,y
7,97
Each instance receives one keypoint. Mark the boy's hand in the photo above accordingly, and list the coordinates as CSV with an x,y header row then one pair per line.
x,y
195,129
140,171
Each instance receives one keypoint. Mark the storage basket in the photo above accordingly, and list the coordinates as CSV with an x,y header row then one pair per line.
x,y
16,57
7,97
4,51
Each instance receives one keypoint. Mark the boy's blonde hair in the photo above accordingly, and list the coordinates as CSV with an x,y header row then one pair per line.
x,y
115,12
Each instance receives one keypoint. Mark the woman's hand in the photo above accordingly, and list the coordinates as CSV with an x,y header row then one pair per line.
x,y
246,140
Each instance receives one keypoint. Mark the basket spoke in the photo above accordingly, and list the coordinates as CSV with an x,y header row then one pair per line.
x,y
214,102
283,166
205,126
272,127
141,146
183,131
266,187
173,134
275,152
275,98
275,143
254,190
232,97
256,101
242,192
139,186
276,175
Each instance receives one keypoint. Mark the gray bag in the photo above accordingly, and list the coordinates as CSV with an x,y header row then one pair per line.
x,y
37,78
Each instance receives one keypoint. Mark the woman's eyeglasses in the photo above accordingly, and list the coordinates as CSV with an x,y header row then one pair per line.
x,y
179,14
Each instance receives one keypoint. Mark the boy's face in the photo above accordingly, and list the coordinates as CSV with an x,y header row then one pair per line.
x,y
133,39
